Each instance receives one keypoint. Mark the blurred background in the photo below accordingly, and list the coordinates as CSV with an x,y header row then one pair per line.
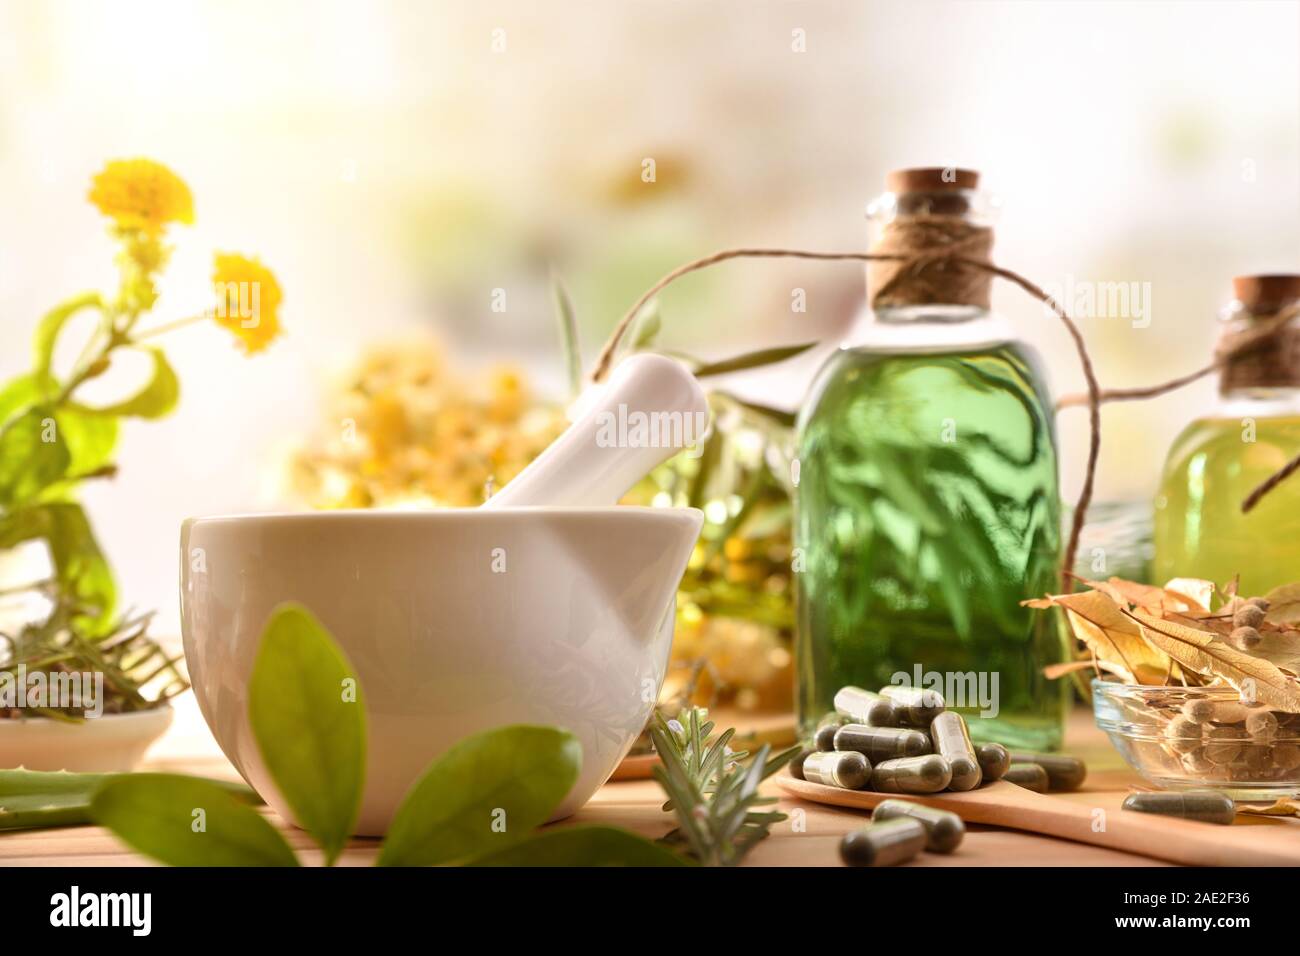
x,y
395,163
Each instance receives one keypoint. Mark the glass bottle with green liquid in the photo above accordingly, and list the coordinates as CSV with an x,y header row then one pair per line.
x,y
1220,458
927,506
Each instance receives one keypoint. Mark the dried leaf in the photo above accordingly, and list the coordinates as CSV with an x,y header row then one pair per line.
x,y
1284,604
1281,648
1285,807
1195,591
1056,671
1099,622
1202,652
1148,597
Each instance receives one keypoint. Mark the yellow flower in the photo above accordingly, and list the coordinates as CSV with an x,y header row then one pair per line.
x,y
248,300
147,253
141,194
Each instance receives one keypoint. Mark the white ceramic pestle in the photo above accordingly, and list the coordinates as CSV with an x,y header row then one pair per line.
x,y
650,409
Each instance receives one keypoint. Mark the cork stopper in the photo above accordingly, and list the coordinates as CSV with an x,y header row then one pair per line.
x,y
1261,355
1266,293
931,179
931,211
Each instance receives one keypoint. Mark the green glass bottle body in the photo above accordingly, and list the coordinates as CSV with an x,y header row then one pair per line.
x,y
927,509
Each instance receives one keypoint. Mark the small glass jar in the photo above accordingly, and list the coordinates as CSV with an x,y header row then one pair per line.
x,y
1247,751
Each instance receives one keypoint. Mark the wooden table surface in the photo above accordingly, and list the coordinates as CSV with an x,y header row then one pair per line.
x,y
809,838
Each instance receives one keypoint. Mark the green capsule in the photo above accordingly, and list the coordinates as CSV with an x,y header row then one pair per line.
x,y
824,739
943,828
864,707
848,771
952,743
1028,775
881,743
1206,806
832,720
796,765
994,760
914,706
928,774
1063,771
883,844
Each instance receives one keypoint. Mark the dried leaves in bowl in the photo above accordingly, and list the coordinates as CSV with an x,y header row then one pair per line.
x,y
1188,632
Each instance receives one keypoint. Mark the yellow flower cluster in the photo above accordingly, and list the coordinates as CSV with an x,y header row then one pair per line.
x,y
142,198
247,300
410,431
141,194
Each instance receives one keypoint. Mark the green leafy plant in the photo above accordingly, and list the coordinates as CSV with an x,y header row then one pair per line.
x,y
712,789
36,798
307,715
53,440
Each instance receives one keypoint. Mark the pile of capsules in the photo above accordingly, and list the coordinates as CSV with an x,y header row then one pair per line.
x,y
903,740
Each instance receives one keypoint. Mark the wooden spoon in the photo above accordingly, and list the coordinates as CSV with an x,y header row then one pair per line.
x,y
1089,817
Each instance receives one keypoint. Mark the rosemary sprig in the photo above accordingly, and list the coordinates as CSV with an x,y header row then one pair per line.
x,y
713,790
138,672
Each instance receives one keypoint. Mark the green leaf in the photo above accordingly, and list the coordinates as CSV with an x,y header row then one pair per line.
x,y
22,392
158,815
568,335
157,399
90,440
698,494
583,846
79,565
33,456
753,360
645,329
48,329
777,415
35,798
308,717
485,793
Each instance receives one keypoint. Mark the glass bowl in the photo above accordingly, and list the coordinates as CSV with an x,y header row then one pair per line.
x,y
1194,738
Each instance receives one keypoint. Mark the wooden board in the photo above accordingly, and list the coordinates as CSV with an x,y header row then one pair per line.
x,y
1093,816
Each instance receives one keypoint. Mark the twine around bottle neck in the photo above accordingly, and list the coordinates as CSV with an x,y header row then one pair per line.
x,y
1262,352
910,279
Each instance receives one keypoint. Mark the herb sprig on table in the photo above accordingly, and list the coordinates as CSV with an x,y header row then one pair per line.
x,y
712,789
